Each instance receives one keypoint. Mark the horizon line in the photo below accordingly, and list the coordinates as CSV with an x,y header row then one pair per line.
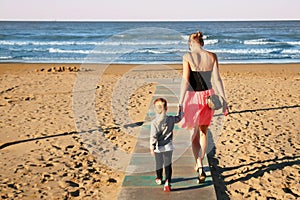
x,y
144,20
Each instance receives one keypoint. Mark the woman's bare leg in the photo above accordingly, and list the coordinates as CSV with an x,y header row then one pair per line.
x,y
203,142
196,146
201,138
199,144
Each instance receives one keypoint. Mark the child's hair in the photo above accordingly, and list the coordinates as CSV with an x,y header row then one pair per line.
x,y
163,101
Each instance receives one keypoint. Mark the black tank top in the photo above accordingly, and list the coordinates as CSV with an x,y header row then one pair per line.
x,y
200,80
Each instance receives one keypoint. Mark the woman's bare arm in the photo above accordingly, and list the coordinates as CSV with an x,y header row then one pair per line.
x,y
217,79
219,83
184,81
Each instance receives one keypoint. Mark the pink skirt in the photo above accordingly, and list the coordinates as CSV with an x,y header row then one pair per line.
x,y
196,111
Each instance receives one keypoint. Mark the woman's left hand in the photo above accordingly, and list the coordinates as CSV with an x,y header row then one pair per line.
x,y
225,109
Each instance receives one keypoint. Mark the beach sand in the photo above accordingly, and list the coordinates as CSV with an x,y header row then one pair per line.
x,y
43,155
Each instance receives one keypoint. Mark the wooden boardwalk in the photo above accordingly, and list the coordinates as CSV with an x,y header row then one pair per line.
x,y
140,174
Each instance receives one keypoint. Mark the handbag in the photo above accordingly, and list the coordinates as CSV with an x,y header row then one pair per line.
x,y
213,102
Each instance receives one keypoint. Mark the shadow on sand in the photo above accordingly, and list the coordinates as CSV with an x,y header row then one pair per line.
x,y
274,164
264,109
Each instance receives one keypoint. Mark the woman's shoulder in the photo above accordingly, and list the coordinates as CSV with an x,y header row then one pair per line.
x,y
187,55
210,53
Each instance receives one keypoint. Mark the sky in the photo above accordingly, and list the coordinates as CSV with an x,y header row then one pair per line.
x,y
149,10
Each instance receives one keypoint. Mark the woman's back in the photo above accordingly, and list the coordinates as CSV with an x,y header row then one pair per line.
x,y
200,60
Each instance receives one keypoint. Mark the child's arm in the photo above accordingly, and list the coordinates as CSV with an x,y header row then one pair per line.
x,y
153,138
179,116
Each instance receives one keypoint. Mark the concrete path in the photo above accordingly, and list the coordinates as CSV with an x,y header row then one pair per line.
x,y
140,174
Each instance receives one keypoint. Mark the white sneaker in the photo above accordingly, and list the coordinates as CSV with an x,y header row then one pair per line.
x,y
158,181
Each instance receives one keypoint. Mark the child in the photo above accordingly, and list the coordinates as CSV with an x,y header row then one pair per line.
x,y
161,136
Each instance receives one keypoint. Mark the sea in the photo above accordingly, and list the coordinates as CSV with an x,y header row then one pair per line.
x,y
147,42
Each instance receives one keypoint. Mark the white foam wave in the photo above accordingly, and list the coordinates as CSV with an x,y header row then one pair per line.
x,y
21,43
5,57
119,51
166,51
211,42
206,41
109,42
291,51
13,43
294,43
28,50
117,43
94,43
55,50
257,42
264,41
247,51
138,43
185,37
161,51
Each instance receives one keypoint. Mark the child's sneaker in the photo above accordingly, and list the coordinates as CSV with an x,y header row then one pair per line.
x,y
158,181
167,188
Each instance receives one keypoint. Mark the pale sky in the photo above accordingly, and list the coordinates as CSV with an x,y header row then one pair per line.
x,y
138,10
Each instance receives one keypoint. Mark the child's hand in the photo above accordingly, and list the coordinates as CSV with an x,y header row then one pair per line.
x,y
179,108
152,152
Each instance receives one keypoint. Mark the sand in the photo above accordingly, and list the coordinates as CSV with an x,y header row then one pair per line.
x,y
45,155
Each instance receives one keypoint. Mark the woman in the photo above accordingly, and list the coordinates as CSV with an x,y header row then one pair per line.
x,y
200,67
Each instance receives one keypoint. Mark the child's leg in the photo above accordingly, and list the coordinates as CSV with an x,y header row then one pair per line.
x,y
159,165
168,166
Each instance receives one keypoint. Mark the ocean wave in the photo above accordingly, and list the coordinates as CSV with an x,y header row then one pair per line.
x,y
109,42
178,42
64,37
51,43
294,43
149,43
119,51
161,51
14,49
248,51
205,37
5,57
185,37
175,51
261,41
55,50
231,41
139,35
94,43
264,41
108,61
91,51
128,42
291,51
211,42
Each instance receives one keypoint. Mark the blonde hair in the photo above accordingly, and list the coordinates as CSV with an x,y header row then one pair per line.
x,y
198,37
